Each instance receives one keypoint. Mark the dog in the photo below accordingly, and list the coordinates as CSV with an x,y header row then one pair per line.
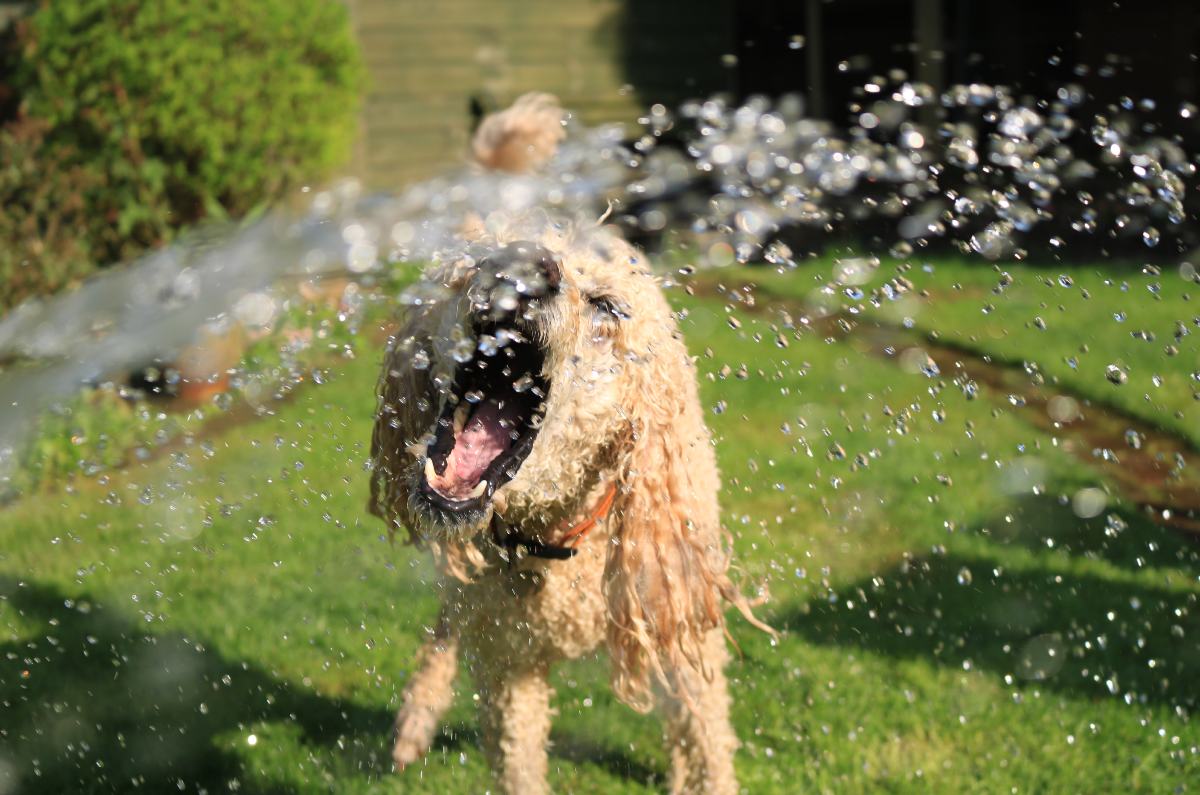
x,y
539,430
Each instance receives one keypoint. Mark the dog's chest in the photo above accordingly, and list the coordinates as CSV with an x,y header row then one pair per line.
x,y
551,609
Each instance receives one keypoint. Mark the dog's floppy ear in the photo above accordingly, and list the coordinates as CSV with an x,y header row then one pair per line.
x,y
403,389
665,580
407,400
406,409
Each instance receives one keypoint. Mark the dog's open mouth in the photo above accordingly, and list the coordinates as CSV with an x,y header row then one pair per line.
x,y
489,423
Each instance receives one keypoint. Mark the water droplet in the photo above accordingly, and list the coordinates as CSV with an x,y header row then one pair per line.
x,y
1089,502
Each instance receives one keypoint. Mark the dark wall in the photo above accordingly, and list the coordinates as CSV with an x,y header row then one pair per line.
x,y
1138,48
674,50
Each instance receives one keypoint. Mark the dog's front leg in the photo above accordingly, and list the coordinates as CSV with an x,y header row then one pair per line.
x,y
514,714
427,696
699,735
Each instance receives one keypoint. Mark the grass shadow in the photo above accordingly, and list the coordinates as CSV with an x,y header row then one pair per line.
x,y
1064,626
567,746
94,702
1121,537
618,762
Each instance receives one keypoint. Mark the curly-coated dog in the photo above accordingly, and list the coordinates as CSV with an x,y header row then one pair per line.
x,y
539,430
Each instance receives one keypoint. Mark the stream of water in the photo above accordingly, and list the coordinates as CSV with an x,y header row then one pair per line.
x,y
995,176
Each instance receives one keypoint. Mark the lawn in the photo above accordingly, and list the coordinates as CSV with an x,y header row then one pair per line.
x,y
1070,322
228,617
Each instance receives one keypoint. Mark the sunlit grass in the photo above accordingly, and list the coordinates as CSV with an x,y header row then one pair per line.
x,y
1072,322
949,624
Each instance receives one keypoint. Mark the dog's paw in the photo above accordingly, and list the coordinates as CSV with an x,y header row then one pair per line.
x,y
414,733
406,751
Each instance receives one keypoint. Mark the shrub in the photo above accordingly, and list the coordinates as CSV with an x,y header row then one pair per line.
x,y
43,197
178,109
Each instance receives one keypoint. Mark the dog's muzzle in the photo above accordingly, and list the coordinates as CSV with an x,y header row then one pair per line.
x,y
509,284
491,417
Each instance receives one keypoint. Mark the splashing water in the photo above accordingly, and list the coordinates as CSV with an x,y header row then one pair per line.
x,y
742,181
986,566
154,307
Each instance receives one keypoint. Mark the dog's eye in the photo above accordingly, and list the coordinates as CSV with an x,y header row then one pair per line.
x,y
608,309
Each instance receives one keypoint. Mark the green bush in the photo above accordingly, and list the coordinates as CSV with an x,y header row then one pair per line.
x,y
175,110
44,205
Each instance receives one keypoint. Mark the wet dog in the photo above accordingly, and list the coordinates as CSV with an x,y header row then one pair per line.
x,y
539,430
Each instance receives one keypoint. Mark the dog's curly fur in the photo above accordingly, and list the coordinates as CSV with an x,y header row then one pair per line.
x,y
651,581
520,138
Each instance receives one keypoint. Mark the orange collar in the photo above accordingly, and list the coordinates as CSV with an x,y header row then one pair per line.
x,y
574,535
568,542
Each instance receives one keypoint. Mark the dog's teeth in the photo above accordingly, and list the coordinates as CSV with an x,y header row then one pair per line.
x,y
479,490
460,418
430,473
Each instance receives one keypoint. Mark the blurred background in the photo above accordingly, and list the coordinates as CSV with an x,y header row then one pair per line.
x,y
937,260
435,66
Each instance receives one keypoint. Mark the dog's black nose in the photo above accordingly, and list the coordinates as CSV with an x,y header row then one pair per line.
x,y
532,269
511,278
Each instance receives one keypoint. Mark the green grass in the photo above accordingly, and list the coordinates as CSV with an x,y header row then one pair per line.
x,y
948,623
1072,322
103,429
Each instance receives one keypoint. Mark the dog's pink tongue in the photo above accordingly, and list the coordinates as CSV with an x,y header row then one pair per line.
x,y
481,441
